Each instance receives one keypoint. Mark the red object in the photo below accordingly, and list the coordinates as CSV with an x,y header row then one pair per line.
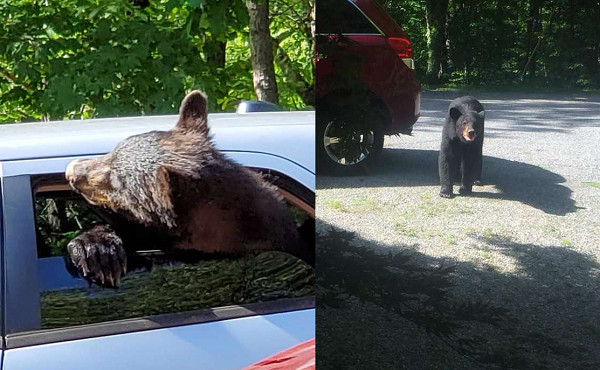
x,y
299,357
401,46
363,29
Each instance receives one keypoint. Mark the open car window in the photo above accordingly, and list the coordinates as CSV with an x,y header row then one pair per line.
x,y
159,280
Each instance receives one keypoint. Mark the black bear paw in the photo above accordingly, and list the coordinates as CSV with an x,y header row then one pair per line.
x,y
464,190
98,256
446,194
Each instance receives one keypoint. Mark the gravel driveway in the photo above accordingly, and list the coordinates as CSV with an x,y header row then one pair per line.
x,y
528,239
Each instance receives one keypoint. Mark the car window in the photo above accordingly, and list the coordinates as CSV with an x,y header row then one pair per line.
x,y
342,17
160,280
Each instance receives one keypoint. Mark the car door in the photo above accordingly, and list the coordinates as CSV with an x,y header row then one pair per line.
x,y
1,276
54,321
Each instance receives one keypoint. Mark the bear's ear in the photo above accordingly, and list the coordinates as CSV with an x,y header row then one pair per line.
x,y
193,113
481,114
455,114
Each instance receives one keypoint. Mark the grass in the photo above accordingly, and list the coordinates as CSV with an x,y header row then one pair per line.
x,y
592,184
337,205
403,229
364,204
449,239
357,205
566,242
489,233
432,208
486,255
179,288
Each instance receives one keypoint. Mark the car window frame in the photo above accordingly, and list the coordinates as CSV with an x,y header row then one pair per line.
x,y
22,305
2,285
361,12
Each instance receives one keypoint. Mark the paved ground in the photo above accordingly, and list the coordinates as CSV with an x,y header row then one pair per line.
x,y
528,239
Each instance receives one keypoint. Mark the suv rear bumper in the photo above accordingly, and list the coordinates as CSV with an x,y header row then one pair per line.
x,y
403,120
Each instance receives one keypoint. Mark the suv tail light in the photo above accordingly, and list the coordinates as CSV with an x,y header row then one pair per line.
x,y
403,48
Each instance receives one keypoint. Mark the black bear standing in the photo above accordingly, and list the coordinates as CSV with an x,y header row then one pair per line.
x,y
462,143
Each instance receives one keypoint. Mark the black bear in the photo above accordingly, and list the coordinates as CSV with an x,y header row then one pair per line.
x,y
462,144
177,182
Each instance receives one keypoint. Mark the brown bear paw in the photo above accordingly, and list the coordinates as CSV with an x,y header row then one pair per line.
x,y
98,256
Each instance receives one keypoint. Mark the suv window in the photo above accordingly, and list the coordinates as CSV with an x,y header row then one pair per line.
x,y
342,17
159,280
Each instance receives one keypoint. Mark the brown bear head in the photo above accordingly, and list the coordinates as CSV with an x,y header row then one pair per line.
x,y
134,178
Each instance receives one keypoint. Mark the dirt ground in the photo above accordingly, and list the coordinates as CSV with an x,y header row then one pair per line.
x,y
528,239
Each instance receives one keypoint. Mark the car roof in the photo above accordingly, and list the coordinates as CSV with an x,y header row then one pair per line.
x,y
380,18
284,134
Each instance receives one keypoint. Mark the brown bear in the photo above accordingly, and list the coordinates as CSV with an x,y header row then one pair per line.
x,y
103,241
177,182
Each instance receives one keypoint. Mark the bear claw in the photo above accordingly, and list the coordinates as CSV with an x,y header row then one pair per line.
x,y
98,256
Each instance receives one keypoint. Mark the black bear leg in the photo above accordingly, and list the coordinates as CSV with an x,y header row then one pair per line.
x,y
445,170
478,165
465,189
469,173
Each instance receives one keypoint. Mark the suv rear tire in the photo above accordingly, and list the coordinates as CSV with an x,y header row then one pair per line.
x,y
346,150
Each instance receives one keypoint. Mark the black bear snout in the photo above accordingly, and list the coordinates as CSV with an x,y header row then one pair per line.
x,y
471,133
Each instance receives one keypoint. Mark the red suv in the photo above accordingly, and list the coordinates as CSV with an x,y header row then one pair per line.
x,y
365,84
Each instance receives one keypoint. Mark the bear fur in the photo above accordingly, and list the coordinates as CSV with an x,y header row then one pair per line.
x,y
461,154
178,183
103,241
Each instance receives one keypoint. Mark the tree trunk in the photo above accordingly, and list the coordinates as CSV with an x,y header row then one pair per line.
x,y
436,13
534,26
261,51
444,55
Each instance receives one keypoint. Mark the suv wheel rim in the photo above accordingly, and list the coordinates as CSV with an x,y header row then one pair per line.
x,y
347,147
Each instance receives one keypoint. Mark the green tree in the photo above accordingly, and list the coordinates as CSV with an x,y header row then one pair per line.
x,y
90,58
436,11
530,43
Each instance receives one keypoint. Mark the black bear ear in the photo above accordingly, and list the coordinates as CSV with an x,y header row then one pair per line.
x,y
193,113
455,114
481,114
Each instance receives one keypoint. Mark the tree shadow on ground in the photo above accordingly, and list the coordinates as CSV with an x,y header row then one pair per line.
x,y
521,112
552,322
517,181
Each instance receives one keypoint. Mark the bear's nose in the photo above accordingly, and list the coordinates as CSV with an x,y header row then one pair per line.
x,y
71,173
471,133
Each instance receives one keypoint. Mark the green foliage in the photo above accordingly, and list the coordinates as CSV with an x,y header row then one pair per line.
x,y
59,221
592,184
97,58
511,43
